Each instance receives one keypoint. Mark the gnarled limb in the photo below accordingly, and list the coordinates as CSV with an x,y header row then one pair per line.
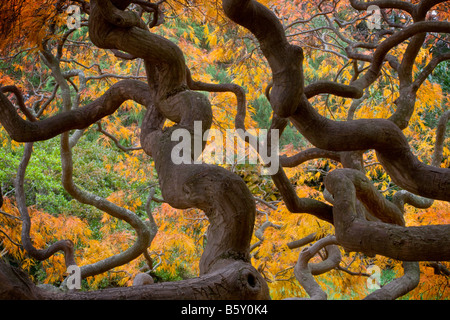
x,y
309,154
143,232
382,135
26,131
15,284
383,48
223,196
334,88
300,205
400,286
66,246
284,59
239,281
403,197
304,271
224,87
373,201
424,243
395,4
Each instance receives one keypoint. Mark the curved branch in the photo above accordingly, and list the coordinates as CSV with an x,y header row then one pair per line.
x,y
425,5
383,48
400,286
222,195
331,261
334,88
259,233
114,139
440,137
12,241
143,233
138,41
119,17
302,269
423,243
236,282
66,246
284,59
429,69
303,241
300,205
384,4
372,200
224,87
26,131
382,135
403,197
306,155
20,101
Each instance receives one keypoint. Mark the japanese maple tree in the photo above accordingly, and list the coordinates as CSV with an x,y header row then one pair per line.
x,y
361,98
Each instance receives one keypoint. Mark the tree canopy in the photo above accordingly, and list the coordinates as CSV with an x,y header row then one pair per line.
x,y
92,94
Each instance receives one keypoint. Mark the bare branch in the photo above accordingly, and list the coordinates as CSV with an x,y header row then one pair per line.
x,y
306,155
400,286
300,205
66,246
302,269
9,238
397,242
26,131
284,59
9,215
429,69
384,4
303,241
115,140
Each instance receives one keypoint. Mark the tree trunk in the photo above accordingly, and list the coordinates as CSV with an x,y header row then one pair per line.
x,y
15,284
236,281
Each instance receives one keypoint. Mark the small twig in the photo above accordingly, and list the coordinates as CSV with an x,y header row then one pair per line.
x,y
115,140
9,215
8,237
271,206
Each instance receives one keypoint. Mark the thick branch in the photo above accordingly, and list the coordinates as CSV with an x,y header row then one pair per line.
x,y
429,69
284,59
303,272
423,243
440,137
237,281
384,4
120,18
373,201
300,205
306,155
20,101
25,131
382,135
334,88
400,286
383,48
403,197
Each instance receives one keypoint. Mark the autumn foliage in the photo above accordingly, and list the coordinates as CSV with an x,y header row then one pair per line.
x,y
109,162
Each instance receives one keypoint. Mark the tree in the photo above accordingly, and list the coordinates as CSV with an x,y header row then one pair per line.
x,y
363,220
